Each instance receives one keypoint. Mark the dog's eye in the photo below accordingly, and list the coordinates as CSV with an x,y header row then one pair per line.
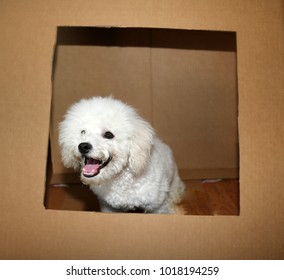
x,y
83,131
108,135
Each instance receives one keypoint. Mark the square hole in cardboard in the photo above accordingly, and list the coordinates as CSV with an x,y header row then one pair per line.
x,y
184,82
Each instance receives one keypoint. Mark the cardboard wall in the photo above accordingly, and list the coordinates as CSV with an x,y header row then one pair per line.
x,y
29,231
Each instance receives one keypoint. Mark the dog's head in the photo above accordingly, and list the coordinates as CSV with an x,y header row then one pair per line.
x,y
103,136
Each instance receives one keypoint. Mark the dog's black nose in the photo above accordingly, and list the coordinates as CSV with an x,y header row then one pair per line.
x,y
84,148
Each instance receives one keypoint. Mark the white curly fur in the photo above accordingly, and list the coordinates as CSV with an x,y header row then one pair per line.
x,y
141,172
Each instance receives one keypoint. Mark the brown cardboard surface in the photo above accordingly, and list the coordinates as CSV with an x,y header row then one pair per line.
x,y
29,231
195,97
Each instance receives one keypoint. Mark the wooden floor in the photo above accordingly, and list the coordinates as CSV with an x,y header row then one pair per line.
x,y
212,198
201,198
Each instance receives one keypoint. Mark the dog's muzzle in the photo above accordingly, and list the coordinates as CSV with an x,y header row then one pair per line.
x,y
92,166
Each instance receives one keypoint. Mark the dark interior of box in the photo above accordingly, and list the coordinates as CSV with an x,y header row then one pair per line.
x,y
184,82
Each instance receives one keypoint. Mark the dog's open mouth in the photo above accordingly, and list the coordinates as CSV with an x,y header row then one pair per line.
x,y
93,166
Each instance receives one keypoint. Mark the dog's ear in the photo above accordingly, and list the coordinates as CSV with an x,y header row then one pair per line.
x,y
66,146
141,143
68,159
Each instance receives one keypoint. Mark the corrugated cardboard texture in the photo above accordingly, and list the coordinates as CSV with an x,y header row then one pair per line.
x,y
28,231
183,82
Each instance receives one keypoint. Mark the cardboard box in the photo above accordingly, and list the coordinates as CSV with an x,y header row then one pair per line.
x,y
187,60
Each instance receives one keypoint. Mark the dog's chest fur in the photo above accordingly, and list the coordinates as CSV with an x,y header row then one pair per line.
x,y
129,192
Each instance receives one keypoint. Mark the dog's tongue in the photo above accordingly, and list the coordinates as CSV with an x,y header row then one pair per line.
x,y
91,168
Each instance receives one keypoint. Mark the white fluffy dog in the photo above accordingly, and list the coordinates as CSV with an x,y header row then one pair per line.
x,y
119,157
